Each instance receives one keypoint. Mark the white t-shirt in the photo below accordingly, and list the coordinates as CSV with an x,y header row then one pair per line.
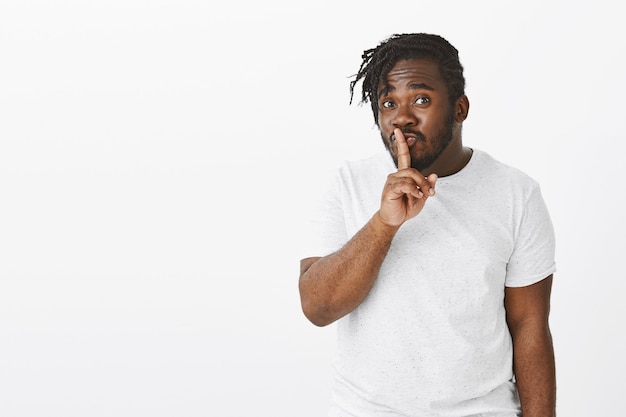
x,y
431,338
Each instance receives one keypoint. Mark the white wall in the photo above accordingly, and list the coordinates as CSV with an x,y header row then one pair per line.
x,y
156,156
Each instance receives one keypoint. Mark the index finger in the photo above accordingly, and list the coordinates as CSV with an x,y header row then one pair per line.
x,y
402,150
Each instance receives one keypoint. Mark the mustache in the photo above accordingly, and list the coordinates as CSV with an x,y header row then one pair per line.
x,y
418,135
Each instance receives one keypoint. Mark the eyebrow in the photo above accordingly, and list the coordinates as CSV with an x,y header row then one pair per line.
x,y
413,86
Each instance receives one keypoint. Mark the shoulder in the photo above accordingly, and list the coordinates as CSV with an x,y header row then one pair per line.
x,y
498,172
380,160
370,168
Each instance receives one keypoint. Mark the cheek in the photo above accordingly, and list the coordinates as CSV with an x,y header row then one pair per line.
x,y
385,138
432,126
385,126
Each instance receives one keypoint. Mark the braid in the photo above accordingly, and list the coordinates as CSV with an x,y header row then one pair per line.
x,y
377,63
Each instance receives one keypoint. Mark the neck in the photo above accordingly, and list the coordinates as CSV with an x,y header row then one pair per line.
x,y
452,159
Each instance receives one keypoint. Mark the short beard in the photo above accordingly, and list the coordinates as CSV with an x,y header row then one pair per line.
x,y
442,139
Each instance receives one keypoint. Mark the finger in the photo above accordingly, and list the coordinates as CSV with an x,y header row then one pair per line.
x,y
402,150
404,187
425,185
432,180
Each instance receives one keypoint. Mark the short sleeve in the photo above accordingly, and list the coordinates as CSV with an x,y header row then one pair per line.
x,y
324,231
533,256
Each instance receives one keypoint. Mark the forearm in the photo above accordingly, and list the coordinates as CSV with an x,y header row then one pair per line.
x,y
336,284
535,372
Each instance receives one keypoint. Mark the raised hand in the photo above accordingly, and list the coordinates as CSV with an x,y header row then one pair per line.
x,y
406,190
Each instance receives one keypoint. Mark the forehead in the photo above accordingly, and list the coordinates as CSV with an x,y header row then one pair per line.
x,y
412,71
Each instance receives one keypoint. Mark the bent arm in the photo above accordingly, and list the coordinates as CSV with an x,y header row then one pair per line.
x,y
527,311
333,286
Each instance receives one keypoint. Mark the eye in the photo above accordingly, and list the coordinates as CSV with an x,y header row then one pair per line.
x,y
421,100
387,104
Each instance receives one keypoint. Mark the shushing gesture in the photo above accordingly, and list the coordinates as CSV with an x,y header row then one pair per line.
x,y
406,190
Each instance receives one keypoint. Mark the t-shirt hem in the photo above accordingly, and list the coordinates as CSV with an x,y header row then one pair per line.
x,y
530,280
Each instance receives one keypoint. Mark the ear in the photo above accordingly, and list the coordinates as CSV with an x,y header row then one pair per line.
x,y
461,109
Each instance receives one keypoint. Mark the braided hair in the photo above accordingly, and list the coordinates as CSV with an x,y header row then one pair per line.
x,y
377,63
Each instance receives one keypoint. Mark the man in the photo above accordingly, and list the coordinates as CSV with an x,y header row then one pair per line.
x,y
437,262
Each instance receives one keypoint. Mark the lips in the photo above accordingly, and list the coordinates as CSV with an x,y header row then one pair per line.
x,y
410,140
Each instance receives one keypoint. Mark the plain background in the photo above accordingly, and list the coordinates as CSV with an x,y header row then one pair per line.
x,y
157,157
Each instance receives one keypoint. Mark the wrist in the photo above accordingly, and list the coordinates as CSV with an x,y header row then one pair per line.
x,y
383,225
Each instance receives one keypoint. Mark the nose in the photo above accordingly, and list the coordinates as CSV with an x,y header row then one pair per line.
x,y
404,117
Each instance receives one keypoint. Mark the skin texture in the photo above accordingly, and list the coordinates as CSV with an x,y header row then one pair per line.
x,y
415,100
527,311
422,131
